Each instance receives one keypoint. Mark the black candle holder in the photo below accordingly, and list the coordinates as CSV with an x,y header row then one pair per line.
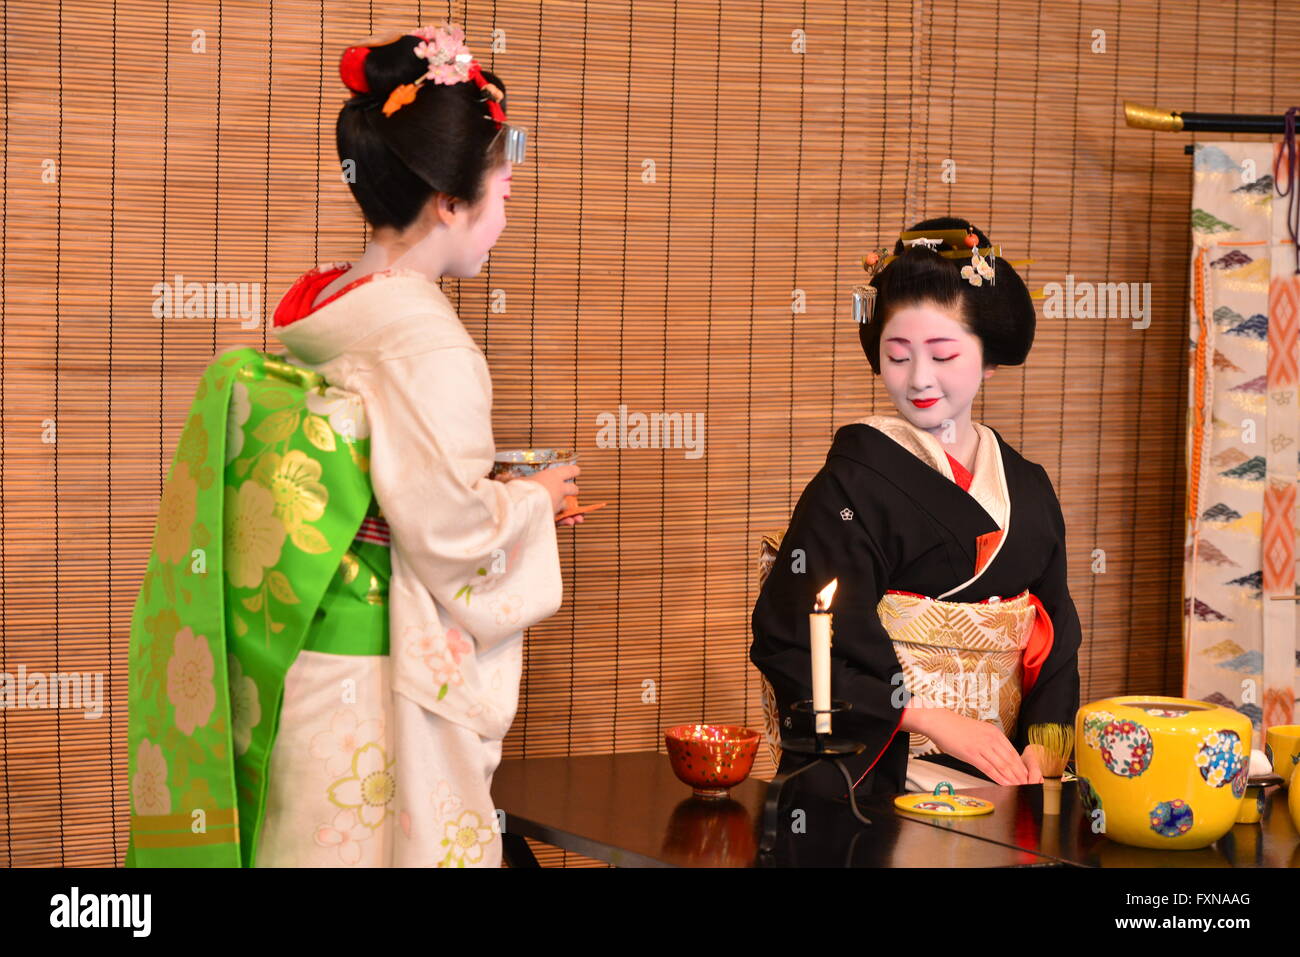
x,y
820,747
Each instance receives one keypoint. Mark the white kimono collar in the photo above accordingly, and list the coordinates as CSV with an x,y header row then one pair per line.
x,y
372,314
988,483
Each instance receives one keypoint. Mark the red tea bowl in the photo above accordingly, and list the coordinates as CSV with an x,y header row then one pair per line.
x,y
711,758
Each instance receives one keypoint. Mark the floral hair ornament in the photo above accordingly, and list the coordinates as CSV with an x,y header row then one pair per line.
x,y
961,243
979,268
444,48
450,62
864,296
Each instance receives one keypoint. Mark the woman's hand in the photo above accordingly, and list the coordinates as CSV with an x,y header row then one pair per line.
x,y
558,482
978,743
1030,754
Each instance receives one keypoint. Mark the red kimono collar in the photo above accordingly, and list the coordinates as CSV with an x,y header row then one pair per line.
x,y
300,300
959,473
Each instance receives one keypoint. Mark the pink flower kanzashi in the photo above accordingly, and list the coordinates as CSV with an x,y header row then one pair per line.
x,y
444,48
427,33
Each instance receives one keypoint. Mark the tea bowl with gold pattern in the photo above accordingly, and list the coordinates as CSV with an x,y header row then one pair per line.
x,y
711,758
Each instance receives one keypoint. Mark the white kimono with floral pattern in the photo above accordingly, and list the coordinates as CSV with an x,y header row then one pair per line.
x,y
388,760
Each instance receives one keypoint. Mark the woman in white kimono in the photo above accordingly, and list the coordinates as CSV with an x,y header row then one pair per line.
x,y
388,759
359,662
954,630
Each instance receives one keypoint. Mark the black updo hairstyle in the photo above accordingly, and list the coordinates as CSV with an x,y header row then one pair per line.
x,y
443,141
1001,313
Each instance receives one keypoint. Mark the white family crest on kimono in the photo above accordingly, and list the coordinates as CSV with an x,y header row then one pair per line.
x,y
388,759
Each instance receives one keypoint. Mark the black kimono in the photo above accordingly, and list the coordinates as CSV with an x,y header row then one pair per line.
x,y
877,517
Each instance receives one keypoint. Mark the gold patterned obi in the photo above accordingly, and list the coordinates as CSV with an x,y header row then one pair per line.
x,y
962,656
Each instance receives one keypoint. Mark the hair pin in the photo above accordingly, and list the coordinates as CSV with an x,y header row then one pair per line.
x,y
449,63
864,303
873,262
979,269
516,146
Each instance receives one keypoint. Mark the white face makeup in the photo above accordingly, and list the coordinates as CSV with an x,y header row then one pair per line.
x,y
459,247
928,357
478,237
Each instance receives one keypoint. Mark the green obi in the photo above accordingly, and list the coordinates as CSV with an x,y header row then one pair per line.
x,y
269,540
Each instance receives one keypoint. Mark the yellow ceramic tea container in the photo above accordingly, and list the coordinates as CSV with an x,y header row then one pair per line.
x,y
1293,798
1252,807
1282,748
1165,772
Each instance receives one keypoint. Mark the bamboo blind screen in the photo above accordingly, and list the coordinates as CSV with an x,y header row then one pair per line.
x,y
692,181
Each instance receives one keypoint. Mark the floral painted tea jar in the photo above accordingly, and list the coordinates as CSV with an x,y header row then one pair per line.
x,y
1162,772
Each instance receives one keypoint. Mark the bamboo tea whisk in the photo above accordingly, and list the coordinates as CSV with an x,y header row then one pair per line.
x,y
1053,744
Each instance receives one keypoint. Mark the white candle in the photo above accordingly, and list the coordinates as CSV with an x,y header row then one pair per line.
x,y
819,630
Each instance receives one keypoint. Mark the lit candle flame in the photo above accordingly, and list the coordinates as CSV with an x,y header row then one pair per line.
x,y
825,595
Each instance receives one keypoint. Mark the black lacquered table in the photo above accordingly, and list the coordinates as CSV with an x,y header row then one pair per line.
x,y
630,810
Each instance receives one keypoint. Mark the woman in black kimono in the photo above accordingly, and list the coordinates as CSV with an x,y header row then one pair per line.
x,y
954,629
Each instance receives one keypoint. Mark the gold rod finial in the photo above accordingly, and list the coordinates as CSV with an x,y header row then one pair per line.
x,y
1150,118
